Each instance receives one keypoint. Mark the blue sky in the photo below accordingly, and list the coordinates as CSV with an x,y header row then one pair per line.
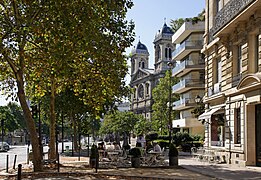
x,y
149,15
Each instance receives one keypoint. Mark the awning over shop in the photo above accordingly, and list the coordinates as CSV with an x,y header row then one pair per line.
x,y
208,114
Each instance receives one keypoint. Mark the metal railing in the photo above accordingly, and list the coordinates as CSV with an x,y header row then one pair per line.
x,y
187,63
188,83
188,45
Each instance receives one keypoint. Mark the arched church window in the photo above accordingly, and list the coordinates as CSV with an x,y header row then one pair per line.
x,y
143,65
147,89
166,52
141,91
170,55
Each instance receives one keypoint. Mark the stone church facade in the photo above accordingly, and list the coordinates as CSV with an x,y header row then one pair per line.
x,y
144,79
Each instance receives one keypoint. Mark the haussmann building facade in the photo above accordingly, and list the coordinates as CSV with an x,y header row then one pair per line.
x,y
232,45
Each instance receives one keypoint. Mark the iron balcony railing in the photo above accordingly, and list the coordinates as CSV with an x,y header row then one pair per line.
x,y
227,13
198,44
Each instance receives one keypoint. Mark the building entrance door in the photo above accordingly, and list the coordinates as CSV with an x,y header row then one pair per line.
x,y
258,135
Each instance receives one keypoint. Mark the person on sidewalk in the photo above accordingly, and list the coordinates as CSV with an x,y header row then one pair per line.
x,y
140,141
156,147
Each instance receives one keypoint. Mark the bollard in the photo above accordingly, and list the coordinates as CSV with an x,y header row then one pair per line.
x,y
58,161
97,161
14,161
19,173
7,162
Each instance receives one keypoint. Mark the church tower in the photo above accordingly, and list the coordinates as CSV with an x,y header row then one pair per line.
x,y
139,58
163,48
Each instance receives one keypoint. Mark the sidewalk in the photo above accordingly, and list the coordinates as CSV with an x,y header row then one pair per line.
x,y
220,171
189,169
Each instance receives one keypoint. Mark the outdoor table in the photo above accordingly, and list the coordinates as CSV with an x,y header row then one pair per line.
x,y
153,158
113,155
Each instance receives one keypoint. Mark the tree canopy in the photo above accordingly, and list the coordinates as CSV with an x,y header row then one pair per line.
x,y
47,45
160,107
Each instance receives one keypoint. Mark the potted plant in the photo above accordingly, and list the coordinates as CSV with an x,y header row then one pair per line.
x,y
94,157
135,154
173,155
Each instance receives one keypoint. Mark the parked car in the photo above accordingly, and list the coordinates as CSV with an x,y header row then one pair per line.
x,y
5,146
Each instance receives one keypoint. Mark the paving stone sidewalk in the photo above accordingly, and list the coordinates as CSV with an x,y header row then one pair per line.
x,y
189,168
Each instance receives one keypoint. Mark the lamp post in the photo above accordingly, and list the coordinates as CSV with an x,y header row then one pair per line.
x,y
170,64
2,124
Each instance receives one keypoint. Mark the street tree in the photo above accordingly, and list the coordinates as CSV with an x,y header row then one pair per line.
x,y
49,44
117,122
160,118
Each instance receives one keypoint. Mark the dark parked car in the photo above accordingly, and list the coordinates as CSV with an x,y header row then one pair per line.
x,y
4,146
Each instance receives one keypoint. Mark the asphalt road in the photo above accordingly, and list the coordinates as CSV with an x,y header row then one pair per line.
x,y
21,155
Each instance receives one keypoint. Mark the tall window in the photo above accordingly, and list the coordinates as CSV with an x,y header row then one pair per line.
x,y
143,65
239,59
237,126
256,53
219,5
218,70
147,89
168,53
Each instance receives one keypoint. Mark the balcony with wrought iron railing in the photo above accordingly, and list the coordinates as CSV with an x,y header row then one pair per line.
x,y
227,14
187,65
187,84
186,47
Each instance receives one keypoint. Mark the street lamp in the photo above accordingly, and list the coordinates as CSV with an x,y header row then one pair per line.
x,y
170,65
2,124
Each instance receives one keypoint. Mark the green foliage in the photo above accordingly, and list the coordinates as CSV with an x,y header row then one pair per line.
x,y
198,110
151,136
12,116
177,23
17,114
119,122
47,45
183,138
160,93
142,126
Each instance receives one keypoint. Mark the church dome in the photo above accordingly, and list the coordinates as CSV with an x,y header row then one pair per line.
x,y
165,31
140,48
